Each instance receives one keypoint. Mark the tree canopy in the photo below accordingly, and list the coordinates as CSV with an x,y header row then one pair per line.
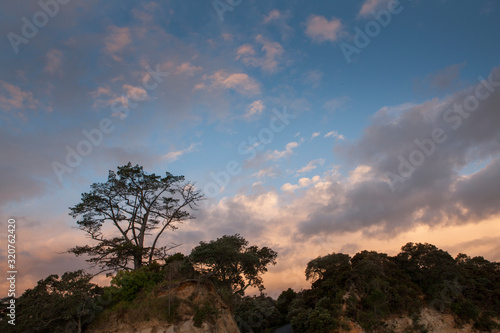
x,y
140,207
371,287
233,263
59,304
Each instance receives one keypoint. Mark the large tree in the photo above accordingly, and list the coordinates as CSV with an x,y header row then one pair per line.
x,y
233,263
139,207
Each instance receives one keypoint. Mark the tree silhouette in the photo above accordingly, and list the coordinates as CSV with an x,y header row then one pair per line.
x,y
140,207
57,304
233,263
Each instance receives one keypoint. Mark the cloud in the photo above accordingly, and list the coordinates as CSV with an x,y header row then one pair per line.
x,y
278,154
436,192
116,40
280,18
239,82
54,62
303,182
319,29
480,192
101,91
246,215
334,104
313,78
315,134
269,56
372,5
42,256
334,134
13,98
273,15
136,93
254,109
312,165
130,93
269,172
227,37
443,79
187,68
175,155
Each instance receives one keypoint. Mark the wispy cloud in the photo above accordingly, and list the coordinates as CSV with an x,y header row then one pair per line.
x,y
239,82
54,62
334,104
315,134
442,79
268,58
278,154
273,15
334,134
187,69
12,97
312,165
269,172
136,93
313,78
280,18
175,155
254,109
116,40
372,5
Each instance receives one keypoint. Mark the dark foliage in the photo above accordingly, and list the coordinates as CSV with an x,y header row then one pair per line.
x,y
58,304
371,286
232,264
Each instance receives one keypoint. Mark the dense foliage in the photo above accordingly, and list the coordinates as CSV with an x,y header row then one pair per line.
x,y
58,304
232,263
366,288
69,303
257,314
371,286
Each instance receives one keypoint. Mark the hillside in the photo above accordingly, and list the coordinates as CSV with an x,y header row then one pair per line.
x,y
195,308
421,289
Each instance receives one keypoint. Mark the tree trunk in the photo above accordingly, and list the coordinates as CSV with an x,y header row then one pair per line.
x,y
137,261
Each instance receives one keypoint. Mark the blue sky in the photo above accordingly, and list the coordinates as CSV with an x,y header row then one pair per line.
x,y
170,86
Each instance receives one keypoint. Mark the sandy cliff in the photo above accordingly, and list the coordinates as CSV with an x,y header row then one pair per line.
x,y
430,321
190,297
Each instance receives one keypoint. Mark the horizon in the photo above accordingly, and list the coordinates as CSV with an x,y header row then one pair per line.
x,y
311,128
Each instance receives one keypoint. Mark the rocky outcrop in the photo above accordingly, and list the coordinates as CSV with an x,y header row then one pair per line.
x,y
430,320
192,296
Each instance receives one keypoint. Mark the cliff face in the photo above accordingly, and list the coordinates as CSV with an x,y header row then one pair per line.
x,y
199,310
430,320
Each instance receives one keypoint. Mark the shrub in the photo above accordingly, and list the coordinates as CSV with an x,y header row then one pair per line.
x,y
205,312
130,283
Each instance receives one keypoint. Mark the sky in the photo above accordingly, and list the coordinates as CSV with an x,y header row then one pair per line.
x,y
310,127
